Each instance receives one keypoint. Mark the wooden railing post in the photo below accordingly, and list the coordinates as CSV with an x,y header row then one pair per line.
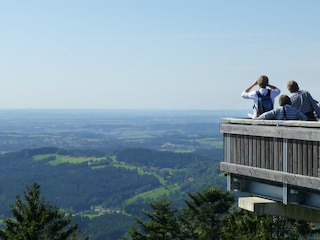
x,y
227,158
285,169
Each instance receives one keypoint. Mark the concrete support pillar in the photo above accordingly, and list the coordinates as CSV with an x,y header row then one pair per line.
x,y
274,208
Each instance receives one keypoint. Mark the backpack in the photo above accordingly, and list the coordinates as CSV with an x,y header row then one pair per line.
x,y
264,103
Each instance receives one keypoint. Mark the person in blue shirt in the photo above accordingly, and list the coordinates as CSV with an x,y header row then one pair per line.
x,y
302,100
284,112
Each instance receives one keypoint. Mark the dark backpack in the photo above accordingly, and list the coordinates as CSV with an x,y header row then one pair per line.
x,y
264,103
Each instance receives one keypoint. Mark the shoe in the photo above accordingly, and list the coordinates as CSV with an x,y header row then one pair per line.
x,y
250,115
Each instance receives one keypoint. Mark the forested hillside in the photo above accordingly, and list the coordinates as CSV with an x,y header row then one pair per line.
x,y
104,166
89,184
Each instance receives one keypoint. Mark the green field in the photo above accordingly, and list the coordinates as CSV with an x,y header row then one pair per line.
x,y
213,142
59,159
155,193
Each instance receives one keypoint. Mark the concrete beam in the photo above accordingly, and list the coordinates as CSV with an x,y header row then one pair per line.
x,y
274,208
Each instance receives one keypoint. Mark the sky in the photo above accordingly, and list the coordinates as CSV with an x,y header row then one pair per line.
x,y
153,54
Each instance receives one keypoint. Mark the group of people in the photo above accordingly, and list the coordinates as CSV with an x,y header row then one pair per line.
x,y
299,105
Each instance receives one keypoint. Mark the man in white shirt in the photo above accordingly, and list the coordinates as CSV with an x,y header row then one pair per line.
x,y
264,87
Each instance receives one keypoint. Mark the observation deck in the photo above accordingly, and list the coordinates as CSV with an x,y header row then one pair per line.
x,y
276,164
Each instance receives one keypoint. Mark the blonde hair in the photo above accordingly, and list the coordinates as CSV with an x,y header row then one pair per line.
x,y
263,81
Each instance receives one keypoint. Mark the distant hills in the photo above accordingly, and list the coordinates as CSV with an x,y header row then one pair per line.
x,y
108,164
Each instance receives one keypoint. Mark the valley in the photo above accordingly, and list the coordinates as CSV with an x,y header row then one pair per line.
x,y
102,165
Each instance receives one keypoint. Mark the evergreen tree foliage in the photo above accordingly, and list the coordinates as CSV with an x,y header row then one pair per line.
x,y
35,219
201,219
163,223
244,225
204,215
211,215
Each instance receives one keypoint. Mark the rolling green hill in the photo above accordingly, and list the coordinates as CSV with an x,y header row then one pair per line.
x,y
104,165
91,186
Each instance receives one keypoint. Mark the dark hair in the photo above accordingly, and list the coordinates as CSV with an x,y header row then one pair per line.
x,y
284,99
263,81
292,86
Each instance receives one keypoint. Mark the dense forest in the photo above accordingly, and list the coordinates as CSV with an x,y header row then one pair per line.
x,y
115,186
209,214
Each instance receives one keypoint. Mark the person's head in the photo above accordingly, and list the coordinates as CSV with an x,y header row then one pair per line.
x,y
284,99
292,86
263,81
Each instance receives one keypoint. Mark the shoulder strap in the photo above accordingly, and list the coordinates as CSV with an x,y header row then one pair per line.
x,y
258,93
269,92
284,113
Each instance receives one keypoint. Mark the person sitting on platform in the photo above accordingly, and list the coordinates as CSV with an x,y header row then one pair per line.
x,y
284,112
302,100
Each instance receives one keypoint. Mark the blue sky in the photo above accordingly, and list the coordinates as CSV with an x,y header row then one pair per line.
x,y
154,54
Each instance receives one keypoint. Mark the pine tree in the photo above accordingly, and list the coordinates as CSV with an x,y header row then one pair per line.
x,y
35,219
205,211
211,215
162,225
242,225
201,219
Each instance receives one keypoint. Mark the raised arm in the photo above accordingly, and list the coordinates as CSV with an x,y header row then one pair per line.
x,y
248,89
271,86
